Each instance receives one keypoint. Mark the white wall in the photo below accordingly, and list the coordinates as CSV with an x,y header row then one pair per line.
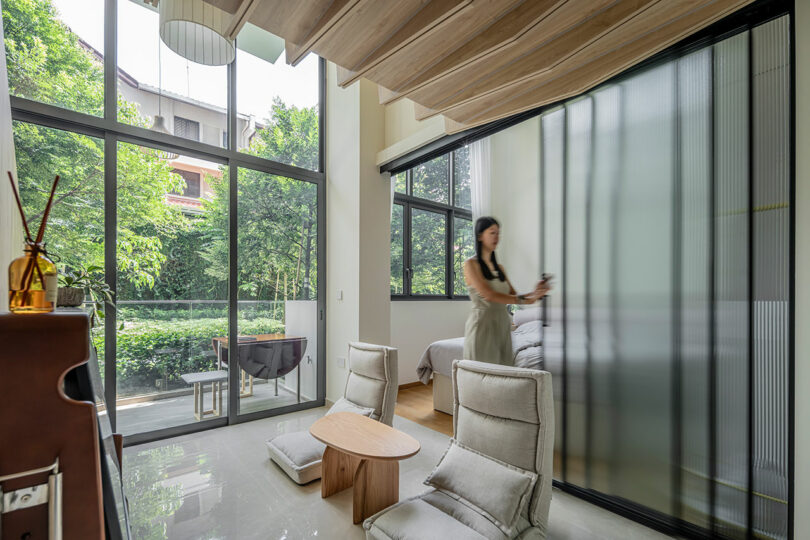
x,y
357,224
417,324
404,133
515,169
801,522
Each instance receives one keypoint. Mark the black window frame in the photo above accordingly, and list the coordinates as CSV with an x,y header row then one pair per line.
x,y
410,203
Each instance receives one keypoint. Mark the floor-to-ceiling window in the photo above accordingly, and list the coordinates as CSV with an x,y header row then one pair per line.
x,y
667,219
195,192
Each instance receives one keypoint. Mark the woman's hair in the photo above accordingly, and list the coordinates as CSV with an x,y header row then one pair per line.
x,y
482,224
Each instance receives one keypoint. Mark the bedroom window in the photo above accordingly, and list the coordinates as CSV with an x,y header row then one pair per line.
x,y
431,228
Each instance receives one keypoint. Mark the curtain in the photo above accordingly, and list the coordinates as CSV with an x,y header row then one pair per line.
x,y
10,226
480,178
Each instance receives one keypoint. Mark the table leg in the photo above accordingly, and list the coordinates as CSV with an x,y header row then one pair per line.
x,y
337,471
197,401
376,487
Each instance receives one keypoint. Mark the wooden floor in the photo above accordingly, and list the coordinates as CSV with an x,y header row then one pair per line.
x,y
416,403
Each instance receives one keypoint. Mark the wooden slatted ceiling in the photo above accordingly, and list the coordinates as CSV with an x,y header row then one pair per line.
x,y
476,61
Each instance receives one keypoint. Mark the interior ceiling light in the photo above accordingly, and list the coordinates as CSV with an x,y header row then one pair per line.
x,y
197,31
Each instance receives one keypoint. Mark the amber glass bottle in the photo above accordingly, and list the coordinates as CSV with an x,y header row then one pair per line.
x,y
28,292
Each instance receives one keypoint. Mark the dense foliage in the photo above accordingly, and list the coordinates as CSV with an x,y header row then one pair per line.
x,y
153,354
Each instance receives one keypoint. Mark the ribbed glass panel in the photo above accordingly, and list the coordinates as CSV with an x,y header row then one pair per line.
x,y
578,166
644,273
552,127
731,281
607,136
694,114
771,123
669,288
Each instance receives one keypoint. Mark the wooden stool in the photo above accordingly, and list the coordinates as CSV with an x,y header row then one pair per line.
x,y
199,380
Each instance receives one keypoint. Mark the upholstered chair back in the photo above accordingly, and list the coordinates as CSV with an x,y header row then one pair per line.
x,y
373,379
507,413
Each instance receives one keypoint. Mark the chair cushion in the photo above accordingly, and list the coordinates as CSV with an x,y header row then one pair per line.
x,y
344,405
416,519
299,454
443,518
494,489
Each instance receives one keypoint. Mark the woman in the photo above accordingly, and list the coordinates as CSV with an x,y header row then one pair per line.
x,y
487,336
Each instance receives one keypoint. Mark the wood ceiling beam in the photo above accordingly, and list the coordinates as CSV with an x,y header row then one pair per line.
x,y
291,21
581,77
336,11
441,40
240,17
376,20
497,73
422,23
501,34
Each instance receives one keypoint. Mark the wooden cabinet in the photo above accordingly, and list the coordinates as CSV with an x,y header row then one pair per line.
x,y
41,357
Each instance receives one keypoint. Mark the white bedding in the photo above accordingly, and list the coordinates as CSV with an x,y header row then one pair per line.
x,y
526,346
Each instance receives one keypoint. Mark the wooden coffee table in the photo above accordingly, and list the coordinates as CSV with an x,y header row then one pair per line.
x,y
364,453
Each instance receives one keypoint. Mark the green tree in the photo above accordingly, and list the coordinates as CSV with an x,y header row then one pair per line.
x,y
48,63
277,216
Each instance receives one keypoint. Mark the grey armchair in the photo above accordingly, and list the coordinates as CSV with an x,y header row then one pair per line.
x,y
504,433
371,390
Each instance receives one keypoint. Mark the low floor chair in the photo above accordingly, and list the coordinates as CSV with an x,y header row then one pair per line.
x,y
494,480
371,390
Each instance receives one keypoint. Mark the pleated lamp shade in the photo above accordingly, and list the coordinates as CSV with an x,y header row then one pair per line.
x,y
196,30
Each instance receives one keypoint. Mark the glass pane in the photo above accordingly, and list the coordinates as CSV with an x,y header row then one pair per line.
x,y
731,281
278,308
461,170
55,52
172,299
74,236
156,83
644,290
277,103
603,413
694,106
397,247
578,157
400,182
463,249
428,252
431,180
553,152
771,235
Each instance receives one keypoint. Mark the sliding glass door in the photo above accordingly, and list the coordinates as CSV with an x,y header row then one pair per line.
x,y
666,198
278,311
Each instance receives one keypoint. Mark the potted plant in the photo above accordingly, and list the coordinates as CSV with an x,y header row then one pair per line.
x,y
86,284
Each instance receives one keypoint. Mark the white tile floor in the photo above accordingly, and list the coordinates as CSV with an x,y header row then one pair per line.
x,y
220,484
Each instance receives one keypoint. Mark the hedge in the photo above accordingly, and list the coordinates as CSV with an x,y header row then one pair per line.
x,y
152,355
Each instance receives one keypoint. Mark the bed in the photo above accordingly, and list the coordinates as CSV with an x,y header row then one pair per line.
x,y
437,360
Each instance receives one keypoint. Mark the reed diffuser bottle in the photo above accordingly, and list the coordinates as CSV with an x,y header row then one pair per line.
x,y
32,282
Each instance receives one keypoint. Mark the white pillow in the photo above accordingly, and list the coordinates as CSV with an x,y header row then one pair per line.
x,y
344,405
527,314
494,489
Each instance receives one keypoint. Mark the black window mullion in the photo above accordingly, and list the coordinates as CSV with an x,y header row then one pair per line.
x,y
406,248
448,254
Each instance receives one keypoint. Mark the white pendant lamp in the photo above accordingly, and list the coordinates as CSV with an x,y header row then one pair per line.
x,y
196,30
